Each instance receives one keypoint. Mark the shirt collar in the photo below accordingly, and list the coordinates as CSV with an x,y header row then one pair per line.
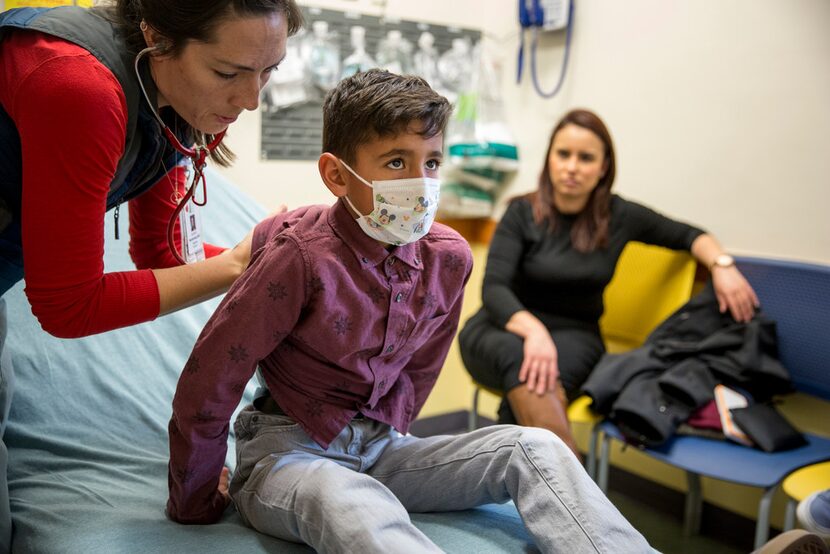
x,y
367,250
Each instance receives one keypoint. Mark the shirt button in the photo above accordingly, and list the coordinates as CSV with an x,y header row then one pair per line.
x,y
365,261
390,349
417,261
391,261
399,297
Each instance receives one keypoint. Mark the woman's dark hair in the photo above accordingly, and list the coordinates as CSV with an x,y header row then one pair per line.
x,y
180,21
590,229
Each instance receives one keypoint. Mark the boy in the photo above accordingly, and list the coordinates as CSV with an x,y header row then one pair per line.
x,y
349,317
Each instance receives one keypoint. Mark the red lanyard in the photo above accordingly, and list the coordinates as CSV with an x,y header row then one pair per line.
x,y
198,156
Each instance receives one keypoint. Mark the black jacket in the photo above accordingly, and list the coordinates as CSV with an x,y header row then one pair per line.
x,y
649,391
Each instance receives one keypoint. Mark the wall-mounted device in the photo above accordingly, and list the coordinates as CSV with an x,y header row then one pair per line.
x,y
545,16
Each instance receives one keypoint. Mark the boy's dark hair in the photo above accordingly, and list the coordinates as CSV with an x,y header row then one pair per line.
x,y
377,103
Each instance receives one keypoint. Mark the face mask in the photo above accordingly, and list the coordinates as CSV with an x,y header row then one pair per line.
x,y
403,208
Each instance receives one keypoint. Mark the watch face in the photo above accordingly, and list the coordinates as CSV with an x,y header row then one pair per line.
x,y
724,260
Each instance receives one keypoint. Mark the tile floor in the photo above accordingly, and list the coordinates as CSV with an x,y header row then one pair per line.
x,y
665,531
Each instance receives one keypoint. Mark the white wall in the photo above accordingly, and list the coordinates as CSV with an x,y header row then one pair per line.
x,y
720,110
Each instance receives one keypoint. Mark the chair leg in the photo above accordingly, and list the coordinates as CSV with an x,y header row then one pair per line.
x,y
694,505
472,417
591,462
789,515
604,461
762,527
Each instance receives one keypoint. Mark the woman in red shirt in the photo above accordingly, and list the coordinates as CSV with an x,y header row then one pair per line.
x,y
71,112
85,97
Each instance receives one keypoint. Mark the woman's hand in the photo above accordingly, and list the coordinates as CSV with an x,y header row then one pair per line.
x,y
734,293
540,367
185,285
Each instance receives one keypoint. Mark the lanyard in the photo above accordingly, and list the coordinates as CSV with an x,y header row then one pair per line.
x,y
197,155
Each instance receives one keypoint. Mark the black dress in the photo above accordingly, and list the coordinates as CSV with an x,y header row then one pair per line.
x,y
530,268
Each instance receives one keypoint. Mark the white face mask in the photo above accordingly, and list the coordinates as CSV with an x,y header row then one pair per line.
x,y
404,209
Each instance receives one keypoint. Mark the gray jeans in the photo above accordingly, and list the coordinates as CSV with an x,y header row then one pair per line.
x,y
355,495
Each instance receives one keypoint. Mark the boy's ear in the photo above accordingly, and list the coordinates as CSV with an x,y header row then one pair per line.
x,y
330,172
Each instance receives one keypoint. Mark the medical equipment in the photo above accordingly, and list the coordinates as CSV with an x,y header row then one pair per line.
x,y
425,59
482,153
395,53
198,158
288,86
323,57
358,60
454,66
547,15
295,133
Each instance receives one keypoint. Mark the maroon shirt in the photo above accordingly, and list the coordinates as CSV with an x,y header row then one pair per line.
x,y
338,324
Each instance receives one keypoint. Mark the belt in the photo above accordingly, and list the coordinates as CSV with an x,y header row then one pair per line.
x,y
268,405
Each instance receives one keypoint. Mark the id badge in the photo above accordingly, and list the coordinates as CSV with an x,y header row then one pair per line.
x,y
190,222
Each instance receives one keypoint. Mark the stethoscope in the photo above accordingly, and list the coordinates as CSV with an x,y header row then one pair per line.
x,y
197,155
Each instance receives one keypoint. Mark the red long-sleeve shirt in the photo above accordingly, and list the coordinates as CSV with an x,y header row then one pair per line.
x,y
71,114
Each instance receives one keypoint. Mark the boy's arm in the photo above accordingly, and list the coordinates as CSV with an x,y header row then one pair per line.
x,y
258,312
427,362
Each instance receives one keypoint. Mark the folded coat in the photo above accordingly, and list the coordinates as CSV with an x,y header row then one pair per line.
x,y
649,391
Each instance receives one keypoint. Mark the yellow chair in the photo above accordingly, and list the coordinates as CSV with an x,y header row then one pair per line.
x,y
649,284
801,484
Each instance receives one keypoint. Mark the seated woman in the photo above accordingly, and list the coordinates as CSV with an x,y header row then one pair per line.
x,y
537,335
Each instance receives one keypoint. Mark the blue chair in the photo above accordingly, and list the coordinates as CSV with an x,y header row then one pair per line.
x,y
797,296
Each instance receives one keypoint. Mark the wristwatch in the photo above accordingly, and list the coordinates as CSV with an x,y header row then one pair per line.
x,y
723,260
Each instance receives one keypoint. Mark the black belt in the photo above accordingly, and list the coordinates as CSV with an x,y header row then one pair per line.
x,y
268,405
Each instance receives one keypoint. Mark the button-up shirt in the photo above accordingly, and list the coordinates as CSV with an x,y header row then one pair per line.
x,y
338,324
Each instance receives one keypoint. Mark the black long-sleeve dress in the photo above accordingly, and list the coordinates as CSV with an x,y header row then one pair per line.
x,y
531,268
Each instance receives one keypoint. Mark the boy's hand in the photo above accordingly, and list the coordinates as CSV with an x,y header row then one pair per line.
x,y
222,488
217,506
